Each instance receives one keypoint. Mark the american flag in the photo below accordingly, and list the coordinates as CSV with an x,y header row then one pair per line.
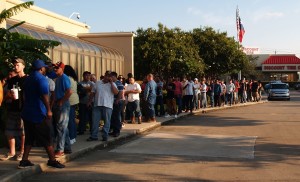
x,y
239,26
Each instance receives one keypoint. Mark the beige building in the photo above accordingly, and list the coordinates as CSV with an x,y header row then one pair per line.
x,y
84,51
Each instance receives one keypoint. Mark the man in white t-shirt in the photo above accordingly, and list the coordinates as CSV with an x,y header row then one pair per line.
x,y
203,90
102,95
230,92
189,93
132,91
196,99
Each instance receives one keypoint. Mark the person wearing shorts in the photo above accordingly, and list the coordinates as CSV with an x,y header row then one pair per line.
x,y
14,127
37,114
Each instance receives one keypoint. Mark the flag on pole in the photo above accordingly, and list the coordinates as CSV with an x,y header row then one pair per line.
x,y
239,26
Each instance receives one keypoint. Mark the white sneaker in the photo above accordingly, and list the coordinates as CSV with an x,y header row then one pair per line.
x,y
72,141
7,157
167,116
19,157
175,116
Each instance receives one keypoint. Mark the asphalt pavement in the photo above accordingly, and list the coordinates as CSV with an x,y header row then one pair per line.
x,y
9,171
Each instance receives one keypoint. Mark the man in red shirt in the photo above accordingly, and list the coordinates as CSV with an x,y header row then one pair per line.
x,y
178,94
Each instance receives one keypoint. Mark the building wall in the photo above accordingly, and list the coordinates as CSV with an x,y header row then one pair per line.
x,y
116,48
80,54
42,18
260,58
2,7
281,72
122,41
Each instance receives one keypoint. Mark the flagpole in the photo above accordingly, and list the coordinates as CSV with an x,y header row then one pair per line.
x,y
238,25
237,37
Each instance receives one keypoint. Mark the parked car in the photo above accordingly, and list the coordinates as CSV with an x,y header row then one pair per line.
x,y
297,86
267,86
279,91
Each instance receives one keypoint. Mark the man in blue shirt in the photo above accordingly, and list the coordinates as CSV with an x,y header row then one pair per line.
x,y
37,115
159,98
61,110
217,93
150,98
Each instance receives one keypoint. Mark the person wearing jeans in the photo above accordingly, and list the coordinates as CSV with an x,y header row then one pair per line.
x,y
230,92
132,91
61,120
116,118
61,109
74,100
85,112
102,95
150,98
159,98
100,113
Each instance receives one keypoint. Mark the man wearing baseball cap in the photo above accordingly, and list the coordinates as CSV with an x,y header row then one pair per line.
x,y
37,115
61,109
14,101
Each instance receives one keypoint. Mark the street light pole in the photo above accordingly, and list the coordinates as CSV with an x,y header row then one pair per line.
x,y
75,13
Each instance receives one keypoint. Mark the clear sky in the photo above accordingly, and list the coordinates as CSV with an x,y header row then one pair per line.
x,y
271,25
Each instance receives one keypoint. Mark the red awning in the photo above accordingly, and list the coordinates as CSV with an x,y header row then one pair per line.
x,y
286,59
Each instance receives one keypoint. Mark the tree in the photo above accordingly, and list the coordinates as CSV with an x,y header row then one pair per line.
x,y
166,52
249,70
14,44
202,51
221,54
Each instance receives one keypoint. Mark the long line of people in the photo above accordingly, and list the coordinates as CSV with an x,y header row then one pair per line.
x,y
42,109
49,115
188,95
151,99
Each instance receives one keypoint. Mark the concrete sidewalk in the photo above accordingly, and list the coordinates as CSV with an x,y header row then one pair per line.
x,y
38,156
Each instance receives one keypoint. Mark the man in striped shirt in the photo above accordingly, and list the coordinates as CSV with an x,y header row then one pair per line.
x,y
116,121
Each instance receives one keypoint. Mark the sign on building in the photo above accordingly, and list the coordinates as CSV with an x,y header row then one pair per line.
x,y
280,68
251,50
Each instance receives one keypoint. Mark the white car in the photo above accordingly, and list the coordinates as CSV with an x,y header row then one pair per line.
x,y
279,91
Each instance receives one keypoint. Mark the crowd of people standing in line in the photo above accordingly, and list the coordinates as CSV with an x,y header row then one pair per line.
x,y
187,95
29,111
41,107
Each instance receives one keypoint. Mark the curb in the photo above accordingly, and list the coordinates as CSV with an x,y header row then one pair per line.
x,y
38,168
